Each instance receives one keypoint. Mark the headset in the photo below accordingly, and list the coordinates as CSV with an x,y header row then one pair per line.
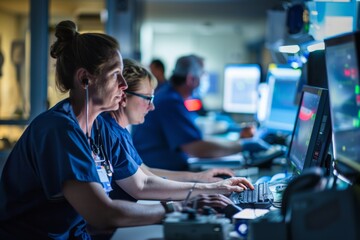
x,y
309,179
85,81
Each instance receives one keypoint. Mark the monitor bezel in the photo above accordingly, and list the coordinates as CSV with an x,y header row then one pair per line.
x,y
323,108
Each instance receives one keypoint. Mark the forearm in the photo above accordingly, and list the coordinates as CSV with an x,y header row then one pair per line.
x,y
209,148
90,201
184,176
164,189
141,186
134,214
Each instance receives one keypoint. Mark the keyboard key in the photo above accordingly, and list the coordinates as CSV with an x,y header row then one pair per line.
x,y
260,197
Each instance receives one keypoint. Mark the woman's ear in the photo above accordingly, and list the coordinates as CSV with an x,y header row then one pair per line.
x,y
82,76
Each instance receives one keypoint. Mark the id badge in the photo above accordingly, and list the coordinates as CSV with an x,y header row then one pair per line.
x,y
104,178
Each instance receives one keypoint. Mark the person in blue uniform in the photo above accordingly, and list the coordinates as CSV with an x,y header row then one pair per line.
x,y
170,129
133,108
157,68
57,178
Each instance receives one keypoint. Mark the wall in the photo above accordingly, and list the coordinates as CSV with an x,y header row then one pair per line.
x,y
9,93
218,45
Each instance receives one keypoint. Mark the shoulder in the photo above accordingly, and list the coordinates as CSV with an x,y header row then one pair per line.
x,y
60,118
168,98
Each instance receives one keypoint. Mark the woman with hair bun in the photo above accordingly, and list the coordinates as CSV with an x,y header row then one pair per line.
x,y
57,177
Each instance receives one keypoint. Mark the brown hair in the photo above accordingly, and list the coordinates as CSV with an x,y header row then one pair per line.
x,y
72,51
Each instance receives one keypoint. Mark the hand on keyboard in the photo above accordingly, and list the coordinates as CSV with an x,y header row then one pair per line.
x,y
260,197
217,202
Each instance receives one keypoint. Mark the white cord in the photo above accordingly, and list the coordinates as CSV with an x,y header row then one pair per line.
x,y
87,111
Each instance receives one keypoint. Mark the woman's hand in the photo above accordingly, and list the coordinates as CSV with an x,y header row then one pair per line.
x,y
217,203
214,201
211,174
235,184
211,200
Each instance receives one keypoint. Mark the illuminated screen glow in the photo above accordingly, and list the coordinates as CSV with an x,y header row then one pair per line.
x,y
303,129
241,88
281,110
343,79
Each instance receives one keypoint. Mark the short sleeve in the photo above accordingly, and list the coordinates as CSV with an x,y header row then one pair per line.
x,y
178,123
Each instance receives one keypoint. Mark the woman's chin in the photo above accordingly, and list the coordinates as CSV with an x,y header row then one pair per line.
x,y
112,108
139,122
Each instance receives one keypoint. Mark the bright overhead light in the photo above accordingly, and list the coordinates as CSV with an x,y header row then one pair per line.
x,y
316,46
289,49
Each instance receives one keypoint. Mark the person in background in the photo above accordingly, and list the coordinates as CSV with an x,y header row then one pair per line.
x,y
157,68
171,129
56,179
140,182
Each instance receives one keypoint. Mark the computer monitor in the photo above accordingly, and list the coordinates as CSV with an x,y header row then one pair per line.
x,y
240,93
281,109
313,72
342,63
312,131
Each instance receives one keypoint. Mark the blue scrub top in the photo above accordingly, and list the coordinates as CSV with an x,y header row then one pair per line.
x,y
53,149
127,146
165,129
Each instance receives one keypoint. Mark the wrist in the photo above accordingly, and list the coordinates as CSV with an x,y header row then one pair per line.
x,y
171,206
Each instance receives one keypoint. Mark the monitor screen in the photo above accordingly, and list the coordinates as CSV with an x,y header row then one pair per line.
x,y
311,136
241,88
281,109
342,63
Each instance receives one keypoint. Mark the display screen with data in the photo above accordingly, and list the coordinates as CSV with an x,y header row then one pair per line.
x,y
281,109
343,79
240,93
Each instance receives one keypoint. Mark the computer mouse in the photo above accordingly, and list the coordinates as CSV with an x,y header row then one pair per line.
x,y
223,176
263,179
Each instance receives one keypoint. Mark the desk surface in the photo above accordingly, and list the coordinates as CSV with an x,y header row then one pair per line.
x,y
151,232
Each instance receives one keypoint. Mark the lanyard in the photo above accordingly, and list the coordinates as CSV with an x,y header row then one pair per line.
x,y
98,152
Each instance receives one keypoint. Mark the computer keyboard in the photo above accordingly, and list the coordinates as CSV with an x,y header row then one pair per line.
x,y
260,197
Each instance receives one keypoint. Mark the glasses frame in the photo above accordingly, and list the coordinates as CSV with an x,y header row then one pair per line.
x,y
148,98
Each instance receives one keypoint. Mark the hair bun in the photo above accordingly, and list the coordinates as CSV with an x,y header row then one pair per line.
x,y
66,31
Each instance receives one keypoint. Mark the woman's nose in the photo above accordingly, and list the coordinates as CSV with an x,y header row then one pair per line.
x,y
122,83
152,106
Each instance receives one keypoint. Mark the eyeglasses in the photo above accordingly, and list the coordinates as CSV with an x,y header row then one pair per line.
x,y
148,98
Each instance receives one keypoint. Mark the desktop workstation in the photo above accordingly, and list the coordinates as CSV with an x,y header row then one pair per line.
x,y
320,213
315,202
272,113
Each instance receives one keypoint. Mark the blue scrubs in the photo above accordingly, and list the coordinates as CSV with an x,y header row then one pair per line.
x,y
160,86
127,146
53,149
165,129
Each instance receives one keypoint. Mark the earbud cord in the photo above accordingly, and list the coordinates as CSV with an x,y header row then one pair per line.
x,y
87,113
